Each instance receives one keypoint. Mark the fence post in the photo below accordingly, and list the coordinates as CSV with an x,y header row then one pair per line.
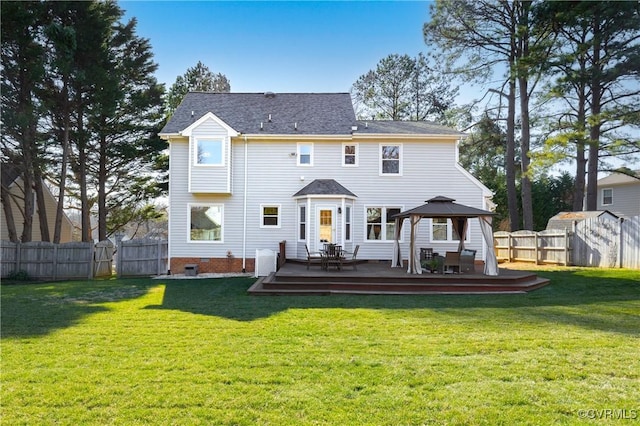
x,y
620,242
18,256
536,242
92,250
55,261
509,247
566,247
159,257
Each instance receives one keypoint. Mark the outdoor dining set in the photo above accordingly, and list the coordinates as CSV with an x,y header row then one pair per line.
x,y
333,255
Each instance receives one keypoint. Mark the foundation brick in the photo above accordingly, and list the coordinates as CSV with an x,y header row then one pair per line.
x,y
211,265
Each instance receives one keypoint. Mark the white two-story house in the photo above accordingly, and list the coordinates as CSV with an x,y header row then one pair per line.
x,y
249,170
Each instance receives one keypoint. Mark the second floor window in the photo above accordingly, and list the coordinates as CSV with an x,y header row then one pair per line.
x,y
350,155
607,196
390,159
305,154
209,152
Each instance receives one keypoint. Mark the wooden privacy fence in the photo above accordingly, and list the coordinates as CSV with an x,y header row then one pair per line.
x,y
142,257
47,261
598,242
551,246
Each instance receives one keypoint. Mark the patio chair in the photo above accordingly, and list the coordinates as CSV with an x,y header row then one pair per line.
x,y
315,258
333,255
452,261
467,260
351,258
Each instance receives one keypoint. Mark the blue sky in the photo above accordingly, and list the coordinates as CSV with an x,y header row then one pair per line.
x,y
279,46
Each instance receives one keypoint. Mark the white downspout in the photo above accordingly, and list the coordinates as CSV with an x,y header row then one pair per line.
x,y
244,206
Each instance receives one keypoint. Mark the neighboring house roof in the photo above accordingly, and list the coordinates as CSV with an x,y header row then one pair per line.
x,y
619,179
405,127
439,207
278,113
566,219
9,174
324,187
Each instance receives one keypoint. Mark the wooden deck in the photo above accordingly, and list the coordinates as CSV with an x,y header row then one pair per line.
x,y
379,278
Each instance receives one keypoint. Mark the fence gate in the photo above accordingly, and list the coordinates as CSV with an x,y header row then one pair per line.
x,y
142,257
103,259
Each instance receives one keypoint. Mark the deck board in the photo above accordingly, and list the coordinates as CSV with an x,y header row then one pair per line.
x,y
380,278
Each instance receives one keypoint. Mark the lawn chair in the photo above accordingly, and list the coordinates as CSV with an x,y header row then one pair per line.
x,y
315,257
351,258
452,261
467,261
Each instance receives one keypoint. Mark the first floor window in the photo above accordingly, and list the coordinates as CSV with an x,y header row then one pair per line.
x,y
347,223
205,222
607,196
302,221
439,229
380,223
270,216
442,230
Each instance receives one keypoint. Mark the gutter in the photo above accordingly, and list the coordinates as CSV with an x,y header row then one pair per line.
x,y
244,206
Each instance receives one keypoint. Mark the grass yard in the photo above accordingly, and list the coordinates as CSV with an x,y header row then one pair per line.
x,y
189,352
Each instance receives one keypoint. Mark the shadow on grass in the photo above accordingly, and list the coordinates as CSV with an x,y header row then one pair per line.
x,y
572,298
30,310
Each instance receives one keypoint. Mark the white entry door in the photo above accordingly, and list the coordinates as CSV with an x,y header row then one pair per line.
x,y
325,225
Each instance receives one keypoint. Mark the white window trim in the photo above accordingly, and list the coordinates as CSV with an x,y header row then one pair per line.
x,y
189,240
223,142
279,207
602,193
356,155
384,223
400,154
298,156
449,233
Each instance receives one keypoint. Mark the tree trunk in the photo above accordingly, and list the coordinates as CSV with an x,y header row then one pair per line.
x,y
85,206
509,159
38,183
581,161
66,119
102,192
5,197
594,131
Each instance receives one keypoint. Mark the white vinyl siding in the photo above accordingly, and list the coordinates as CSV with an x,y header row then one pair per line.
x,y
274,177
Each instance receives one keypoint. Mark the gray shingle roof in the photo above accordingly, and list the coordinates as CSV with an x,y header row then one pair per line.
x,y
441,206
314,113
405,127
324,187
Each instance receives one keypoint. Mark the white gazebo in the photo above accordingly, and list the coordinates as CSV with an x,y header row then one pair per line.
x,y
445,208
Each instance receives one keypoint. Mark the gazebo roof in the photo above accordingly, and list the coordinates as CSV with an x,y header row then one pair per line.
x,y
444,207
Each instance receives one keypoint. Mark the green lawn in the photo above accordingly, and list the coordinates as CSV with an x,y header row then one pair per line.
x,y
188,352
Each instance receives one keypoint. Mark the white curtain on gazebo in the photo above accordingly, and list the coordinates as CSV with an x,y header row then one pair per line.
x,y
491,262
414,256
396,258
